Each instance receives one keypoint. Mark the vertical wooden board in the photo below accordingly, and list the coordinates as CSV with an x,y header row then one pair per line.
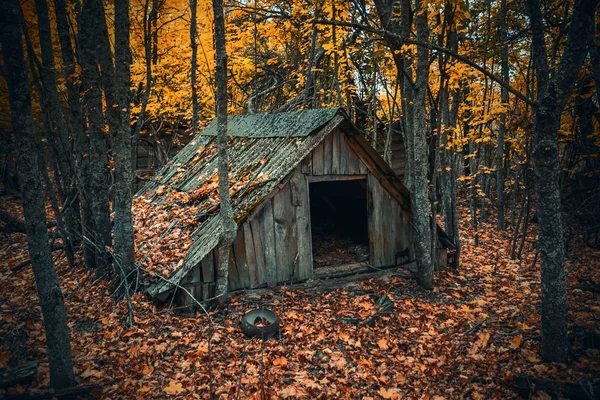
x,y
342,153
306,165
259,250
410,235
348,158
250,255
362,168
442,258
317,160
233,275
268,236
379,223
197,273
208,268
328,153
387,215
353,162
335,151
304,239
239,253
284,218
371,220
399,232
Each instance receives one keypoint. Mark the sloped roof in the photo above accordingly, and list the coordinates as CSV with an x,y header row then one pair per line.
x,y
287,124
176,218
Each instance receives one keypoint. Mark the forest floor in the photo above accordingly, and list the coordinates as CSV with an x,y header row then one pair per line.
x,y
467,338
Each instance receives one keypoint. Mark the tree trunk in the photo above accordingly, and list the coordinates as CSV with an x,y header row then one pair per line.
x,y
60,137
499,157
226,213
92,38
553,94
407,96
76,126
51,299
123,141
193,9
420,195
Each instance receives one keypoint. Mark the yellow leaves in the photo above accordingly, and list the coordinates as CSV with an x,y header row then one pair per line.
x,y
173,388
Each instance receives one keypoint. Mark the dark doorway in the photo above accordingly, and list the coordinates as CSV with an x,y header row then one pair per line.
x,y
338,217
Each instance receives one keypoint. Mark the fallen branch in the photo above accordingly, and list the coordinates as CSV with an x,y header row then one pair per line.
x,y
25,263
19,376
12,223
71,392
525,386
588,288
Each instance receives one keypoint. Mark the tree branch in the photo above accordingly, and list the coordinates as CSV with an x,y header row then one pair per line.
x,y
431,46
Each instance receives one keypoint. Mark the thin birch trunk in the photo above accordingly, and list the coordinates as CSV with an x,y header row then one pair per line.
x,y
226,213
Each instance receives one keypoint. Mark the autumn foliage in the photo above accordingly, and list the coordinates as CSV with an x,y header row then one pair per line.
x,y
467,338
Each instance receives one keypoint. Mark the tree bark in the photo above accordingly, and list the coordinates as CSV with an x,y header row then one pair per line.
x,y
420,195
76,126
226,212
60,137
499,156
553,93
193,29
92,44
123,144
51,299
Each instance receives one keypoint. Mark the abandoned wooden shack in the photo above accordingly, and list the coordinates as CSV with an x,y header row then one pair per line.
x,y
311,198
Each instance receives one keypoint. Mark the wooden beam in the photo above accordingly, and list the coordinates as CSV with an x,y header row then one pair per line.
x,y
329,178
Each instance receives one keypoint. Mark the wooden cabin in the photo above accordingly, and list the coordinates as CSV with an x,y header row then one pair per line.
x,y
315,200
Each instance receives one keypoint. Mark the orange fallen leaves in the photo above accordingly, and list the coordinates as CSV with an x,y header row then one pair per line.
x,y
383,344
515,342
466,340
173,388
388,393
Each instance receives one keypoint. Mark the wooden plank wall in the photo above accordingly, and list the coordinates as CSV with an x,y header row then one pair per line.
x,y
390,232
333,156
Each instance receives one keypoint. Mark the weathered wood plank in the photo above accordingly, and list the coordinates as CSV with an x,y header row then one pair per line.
x,y
250,255
317,160
329,178
305,263
328,152
342,153
233,275
286,245
371,220
268,237
208,268
387,227
259,250
362,168
335,151
239,250
306,165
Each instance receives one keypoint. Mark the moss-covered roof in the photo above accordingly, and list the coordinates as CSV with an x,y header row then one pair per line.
x,y
285,125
